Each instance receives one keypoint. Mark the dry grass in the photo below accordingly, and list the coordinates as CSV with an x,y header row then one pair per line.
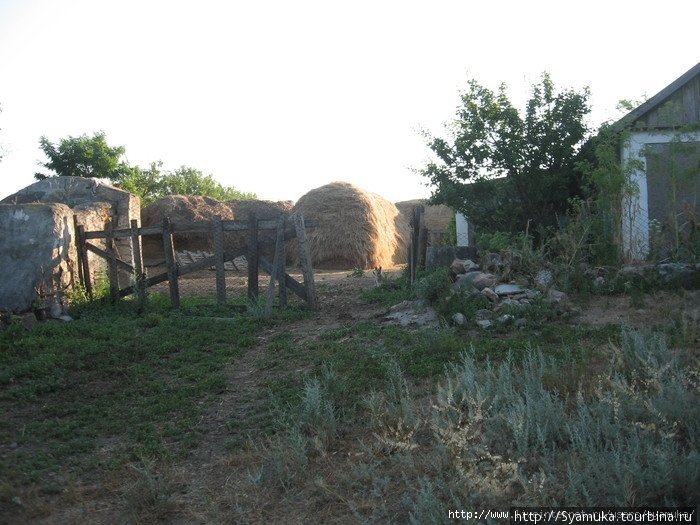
x,y
354,228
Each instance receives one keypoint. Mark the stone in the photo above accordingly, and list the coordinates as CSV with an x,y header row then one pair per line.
x,y
463,284
544,279
520,323
459,319
439,257
509,289
505,318
510,302
37,251
680,274
409,313
484,280
533,294
482,314
484,323
460,266
558,298
490,295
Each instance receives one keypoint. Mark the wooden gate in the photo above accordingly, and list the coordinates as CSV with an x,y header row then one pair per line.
x,y
174,271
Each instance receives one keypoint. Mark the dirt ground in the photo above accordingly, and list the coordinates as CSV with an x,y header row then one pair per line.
x,y
210,468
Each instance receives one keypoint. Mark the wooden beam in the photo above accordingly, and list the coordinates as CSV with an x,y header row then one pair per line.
x,y
137,258
290,282
276,267
112,264
305,258
105,255
253,258
218,234
171,263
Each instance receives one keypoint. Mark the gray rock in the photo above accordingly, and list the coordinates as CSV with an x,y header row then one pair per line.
x,y
460,266
544,279
409,313
680,274
439,257
493,262
520,323
505,318
459,319
482,314
483,280
511,302
490,295
558,298
28,320
509,289
463,284
484,323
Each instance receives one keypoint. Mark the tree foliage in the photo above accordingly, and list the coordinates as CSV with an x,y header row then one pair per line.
x,y
83,156
153,183
505,170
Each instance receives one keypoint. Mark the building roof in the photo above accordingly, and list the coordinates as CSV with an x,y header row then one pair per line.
x,y
659,99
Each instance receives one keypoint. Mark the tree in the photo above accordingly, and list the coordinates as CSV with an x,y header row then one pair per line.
x,y
153,183
504,170
84,156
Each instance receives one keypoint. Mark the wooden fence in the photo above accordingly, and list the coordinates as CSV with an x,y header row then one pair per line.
x,y
418,242
174,271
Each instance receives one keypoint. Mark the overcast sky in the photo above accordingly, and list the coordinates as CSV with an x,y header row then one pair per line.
x,y
280,97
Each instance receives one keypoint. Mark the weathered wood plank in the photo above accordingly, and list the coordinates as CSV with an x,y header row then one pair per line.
x,y
290,282
112,264
171,263
137,258
106,256
283,260
276,267
305,259
253,258
218,234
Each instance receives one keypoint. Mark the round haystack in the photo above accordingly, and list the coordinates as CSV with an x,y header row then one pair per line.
x,y
182,208
263,210
352,228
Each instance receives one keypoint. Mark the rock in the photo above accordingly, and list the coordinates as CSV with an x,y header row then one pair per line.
x,y
509,289
599,282
533,294
505,318
463,284
479,280
65,318
459,319
544,279
482,314
484,323
28,320
460,266
558,298
490,295
520,323
412,313
680,274
439,257
510,302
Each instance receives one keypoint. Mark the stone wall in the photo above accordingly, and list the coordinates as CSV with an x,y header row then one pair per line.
x,y
37,251
94,203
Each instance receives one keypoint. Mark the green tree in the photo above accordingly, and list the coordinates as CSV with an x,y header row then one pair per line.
x,y
152,184
505,170
83,156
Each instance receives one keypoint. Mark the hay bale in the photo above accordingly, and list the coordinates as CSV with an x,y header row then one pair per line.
x,y
264,210
182,208
353,228
438,218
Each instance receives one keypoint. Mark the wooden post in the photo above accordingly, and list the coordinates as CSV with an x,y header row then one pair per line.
x,y
87,282
137,258
283,263
276,267
253,254
422,240
218,233
305,258
112,264
171,262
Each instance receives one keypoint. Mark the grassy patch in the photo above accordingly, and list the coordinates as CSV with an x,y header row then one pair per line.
x,y
113,386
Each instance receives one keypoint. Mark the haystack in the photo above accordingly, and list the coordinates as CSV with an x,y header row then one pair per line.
x,y
263,210
182,208
353,228
438,218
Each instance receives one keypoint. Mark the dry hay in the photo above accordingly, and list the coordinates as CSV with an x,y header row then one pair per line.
x,y
438,217
182,208
194,208
353,228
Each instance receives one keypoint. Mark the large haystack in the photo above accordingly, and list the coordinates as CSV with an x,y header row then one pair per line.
x,y
263,210
353,228
182,208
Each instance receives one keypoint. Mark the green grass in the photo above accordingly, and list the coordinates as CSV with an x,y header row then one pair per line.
x,y
138,383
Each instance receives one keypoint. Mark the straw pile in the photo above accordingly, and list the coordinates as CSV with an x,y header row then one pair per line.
x,y
353,228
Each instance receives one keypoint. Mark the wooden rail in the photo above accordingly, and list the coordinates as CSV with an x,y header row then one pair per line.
x,y
174,271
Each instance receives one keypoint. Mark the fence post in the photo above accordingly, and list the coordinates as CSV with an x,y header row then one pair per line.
x,y
137,257
422,239
414,243
283,261
305,259
112,263
276,267
84,260
253,254
218,232
171,262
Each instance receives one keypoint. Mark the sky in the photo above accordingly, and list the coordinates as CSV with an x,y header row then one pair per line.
x,y
279,97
